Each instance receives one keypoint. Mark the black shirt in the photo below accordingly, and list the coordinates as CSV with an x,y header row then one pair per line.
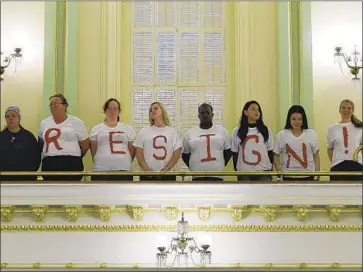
x,y
19,151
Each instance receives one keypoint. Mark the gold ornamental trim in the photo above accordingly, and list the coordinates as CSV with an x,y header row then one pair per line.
x,y
153,266
238,212
215,228
356,153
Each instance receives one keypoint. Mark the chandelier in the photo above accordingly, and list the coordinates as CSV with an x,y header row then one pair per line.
x,y
182,248
354,61
5,62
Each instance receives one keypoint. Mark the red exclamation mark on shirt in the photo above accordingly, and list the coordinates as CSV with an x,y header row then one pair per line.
x,y
345,138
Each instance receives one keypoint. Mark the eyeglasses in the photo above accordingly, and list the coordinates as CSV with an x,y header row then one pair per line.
x,y
55,105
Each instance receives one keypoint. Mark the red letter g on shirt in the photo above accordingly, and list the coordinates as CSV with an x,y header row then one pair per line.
x,y
254,152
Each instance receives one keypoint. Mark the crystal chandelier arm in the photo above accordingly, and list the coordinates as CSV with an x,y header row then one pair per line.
x,y
173,263
356,62
341,68
191,257
345,57
170,249
197,249
7,60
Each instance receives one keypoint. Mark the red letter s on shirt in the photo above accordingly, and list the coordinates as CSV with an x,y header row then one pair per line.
x,y
160,158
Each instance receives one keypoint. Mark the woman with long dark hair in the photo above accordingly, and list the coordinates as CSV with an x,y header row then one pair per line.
x,y
343,139
298,146
252,143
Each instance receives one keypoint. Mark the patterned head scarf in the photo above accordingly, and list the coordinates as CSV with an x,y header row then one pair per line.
x,y
15,109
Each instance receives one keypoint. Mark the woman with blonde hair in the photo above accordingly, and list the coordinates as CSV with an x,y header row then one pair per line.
x,y
343,139
158,146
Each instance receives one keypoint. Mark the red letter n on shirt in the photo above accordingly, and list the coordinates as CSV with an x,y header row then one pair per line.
x,y
52,139
254,152
209,155
159,158
112,142
291,153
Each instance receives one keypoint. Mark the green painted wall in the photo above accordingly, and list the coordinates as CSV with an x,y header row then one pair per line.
x,y
71,59
294,14
295,58
306,61
60,46
54,44
284,62
50,41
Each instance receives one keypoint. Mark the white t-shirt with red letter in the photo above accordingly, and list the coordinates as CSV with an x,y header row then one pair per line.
x,y
344,139
253,153
297,152
113,152
62,139
206,147
158,144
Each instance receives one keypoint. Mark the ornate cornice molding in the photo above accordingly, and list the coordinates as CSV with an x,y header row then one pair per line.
x,y
137,212
148,228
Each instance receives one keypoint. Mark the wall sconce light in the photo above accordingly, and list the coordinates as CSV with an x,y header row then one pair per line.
x,y
354,61
15,56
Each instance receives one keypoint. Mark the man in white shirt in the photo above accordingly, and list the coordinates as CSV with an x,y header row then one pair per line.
x,y
206,147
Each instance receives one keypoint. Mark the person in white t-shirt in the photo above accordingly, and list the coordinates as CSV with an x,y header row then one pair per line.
x,y
298,146
343,139
111,144
63,139
206,147
158,146
252,144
